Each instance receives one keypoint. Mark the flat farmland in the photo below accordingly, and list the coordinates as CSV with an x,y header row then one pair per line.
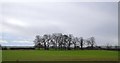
x,y
53,55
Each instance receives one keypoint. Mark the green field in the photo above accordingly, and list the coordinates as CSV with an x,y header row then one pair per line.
x,y
49,55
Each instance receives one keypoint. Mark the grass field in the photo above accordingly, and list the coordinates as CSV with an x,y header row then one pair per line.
x,y
72,55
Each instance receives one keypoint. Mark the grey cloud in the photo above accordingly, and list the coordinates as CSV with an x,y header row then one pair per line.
x,y
80,19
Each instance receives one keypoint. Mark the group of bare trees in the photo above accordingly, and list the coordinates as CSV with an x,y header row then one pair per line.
x,y
62,41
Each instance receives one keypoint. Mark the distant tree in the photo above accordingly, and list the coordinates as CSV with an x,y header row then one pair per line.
x,y
46,39
108,46
91,42
37,42
81,42
65,41
55,40
60,40
69,41
75,42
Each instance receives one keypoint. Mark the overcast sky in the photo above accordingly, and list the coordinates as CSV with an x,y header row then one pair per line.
x,y
22,21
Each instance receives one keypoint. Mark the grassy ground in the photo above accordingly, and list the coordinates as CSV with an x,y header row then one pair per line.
x,y
72,55
0,55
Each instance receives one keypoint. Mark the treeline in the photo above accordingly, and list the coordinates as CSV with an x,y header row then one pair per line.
x,y
63,41
59,41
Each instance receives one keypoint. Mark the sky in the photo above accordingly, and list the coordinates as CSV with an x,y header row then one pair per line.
x,y
21,22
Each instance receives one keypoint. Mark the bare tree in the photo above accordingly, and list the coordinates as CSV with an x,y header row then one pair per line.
x,y
75,40
46,39
69,39
65,41
37,42
81,42
108,46
91,42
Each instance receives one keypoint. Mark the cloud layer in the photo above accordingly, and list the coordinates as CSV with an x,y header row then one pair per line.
x,y
22,21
